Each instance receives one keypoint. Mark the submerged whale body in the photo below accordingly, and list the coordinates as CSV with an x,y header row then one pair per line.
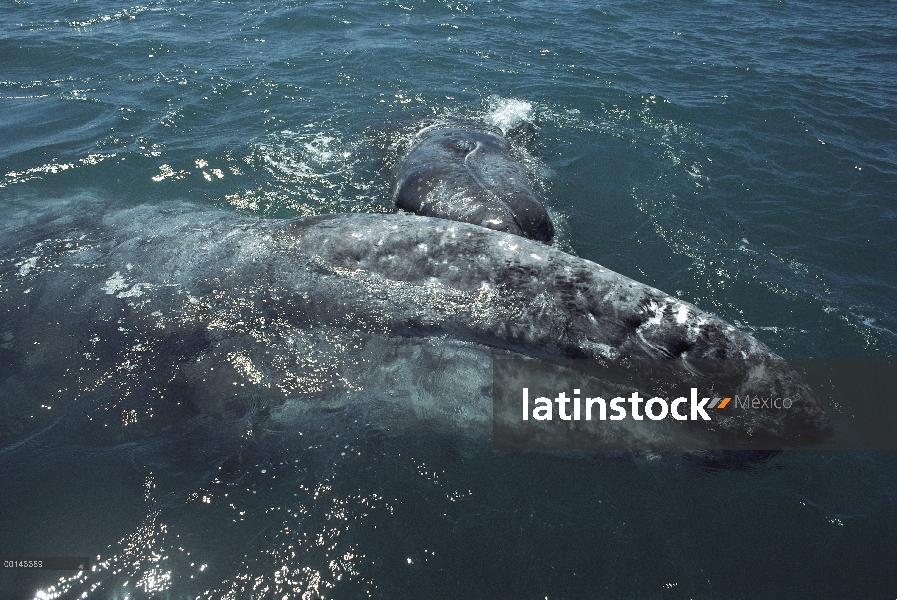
x,y
188,312
465,172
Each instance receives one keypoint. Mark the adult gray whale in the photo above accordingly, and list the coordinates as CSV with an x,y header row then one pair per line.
x,y
144,316
465,172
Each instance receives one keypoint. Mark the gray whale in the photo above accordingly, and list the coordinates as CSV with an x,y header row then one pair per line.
x,y
465,172
178,311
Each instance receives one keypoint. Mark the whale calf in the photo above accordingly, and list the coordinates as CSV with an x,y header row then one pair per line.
x,y
465,172
182,312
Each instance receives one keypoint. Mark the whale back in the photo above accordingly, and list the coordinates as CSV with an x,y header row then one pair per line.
x,y
204,313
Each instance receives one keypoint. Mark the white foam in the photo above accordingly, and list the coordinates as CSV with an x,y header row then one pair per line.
x,y
507,113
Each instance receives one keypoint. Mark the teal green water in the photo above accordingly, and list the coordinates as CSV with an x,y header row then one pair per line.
x,y
741,156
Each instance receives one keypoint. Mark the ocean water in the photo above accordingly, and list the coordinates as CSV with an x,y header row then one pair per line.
x,y
741,156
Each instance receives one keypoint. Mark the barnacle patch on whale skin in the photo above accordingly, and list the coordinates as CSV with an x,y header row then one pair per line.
x,y
121,287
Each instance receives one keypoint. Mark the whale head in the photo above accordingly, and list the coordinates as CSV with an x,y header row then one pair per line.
x,y
466,172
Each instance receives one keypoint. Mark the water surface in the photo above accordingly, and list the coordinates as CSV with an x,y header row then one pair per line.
x,y
739,156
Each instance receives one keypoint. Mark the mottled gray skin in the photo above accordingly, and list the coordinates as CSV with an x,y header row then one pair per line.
x,y
466,173
148,302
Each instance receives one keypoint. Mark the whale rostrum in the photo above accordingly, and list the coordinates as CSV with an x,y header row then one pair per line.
x,y
466,172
